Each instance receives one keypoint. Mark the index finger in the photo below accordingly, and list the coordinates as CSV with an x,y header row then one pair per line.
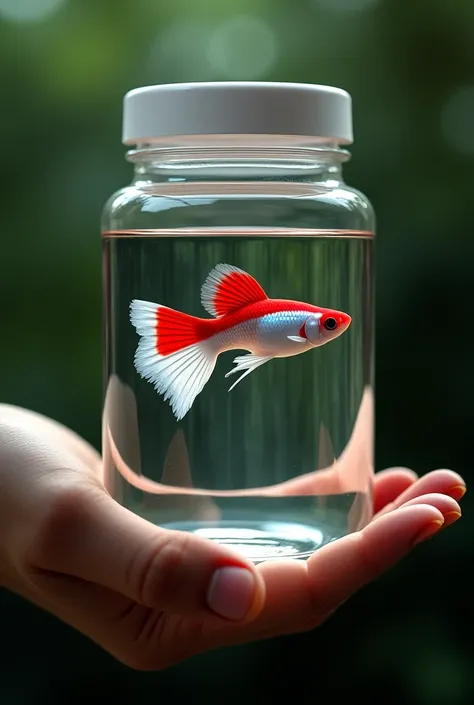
x,y
300,595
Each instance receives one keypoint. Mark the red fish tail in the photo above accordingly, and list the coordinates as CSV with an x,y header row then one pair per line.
x,y
174,330
169,330
170,353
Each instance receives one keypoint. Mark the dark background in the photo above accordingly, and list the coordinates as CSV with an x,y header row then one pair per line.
x,y
409,65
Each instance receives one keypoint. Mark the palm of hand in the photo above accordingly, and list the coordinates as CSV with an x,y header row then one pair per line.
x,y
140,592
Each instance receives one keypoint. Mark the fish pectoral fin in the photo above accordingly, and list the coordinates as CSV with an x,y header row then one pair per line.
x,y
296,338
249,363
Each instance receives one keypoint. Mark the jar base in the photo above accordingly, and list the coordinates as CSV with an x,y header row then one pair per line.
x,y
263,541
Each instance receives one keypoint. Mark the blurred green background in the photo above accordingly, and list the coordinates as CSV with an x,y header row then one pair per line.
x,y
409,65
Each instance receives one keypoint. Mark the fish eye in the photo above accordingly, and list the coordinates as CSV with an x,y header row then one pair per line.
x,y
330,323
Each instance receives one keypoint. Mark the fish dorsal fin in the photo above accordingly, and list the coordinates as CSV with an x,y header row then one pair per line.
x,y
228,288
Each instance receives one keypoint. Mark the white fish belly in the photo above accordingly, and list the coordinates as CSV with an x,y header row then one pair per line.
x,y
265,336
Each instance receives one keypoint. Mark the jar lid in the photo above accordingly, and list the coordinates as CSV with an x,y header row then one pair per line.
x,y
180,113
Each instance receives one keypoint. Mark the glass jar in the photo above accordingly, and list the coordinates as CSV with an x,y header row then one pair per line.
x,y
238,248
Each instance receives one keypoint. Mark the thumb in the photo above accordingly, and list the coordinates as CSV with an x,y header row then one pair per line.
x,y
91,537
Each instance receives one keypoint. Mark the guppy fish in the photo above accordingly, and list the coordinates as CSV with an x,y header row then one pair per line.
x,y
178,352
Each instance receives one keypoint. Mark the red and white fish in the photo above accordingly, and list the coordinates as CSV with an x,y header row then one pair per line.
x,y
178,352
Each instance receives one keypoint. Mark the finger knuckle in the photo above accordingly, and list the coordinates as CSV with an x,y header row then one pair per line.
x,y
58,525
159,573
371,563
353,568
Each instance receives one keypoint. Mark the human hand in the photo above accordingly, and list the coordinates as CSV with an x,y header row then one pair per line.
x,y
153,597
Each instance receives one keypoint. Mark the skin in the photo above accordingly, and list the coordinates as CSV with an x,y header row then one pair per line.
x,y
140,591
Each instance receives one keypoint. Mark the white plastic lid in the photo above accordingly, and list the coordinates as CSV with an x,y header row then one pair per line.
x,y
203,113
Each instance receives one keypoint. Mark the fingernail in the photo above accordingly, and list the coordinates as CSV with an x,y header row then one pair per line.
x,y
457,492
428,530
231,592
451,517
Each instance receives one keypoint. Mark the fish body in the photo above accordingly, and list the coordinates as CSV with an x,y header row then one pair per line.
x,y
262,328
178,352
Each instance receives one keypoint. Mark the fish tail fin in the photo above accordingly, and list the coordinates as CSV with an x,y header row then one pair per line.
x,y
170,354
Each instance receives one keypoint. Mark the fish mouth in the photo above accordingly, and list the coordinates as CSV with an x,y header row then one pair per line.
x,y
344,322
